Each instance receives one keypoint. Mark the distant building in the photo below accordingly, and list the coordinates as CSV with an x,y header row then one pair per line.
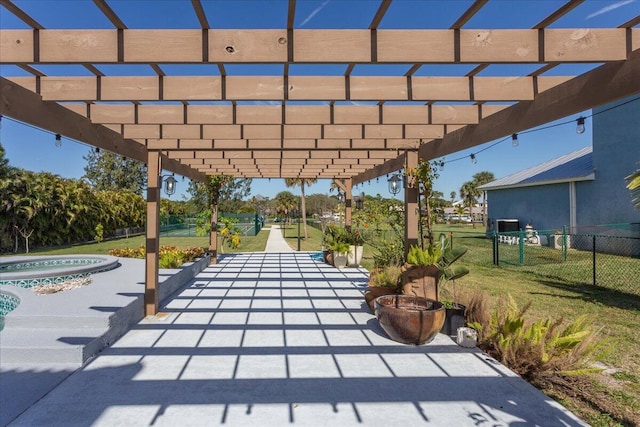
x,y
584,190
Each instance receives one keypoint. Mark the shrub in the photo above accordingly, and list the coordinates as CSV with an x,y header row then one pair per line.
x,y
389,276
535,349
170,256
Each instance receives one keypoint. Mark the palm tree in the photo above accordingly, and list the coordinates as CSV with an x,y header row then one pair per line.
x,y
469,194
452,196
479,179
302,182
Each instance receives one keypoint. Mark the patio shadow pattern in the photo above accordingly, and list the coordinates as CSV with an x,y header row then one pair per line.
x,y
279,339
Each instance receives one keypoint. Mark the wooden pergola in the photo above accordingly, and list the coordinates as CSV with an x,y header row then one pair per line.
x,y
349,127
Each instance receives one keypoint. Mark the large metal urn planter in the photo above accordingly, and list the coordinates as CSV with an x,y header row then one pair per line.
x,y
409,319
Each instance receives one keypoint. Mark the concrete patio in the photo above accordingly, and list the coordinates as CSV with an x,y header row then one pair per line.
x,y
277,338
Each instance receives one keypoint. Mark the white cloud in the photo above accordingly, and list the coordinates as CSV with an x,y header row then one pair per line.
x,y
312,14
610,8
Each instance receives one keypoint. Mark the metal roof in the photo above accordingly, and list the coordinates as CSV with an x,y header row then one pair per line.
x,y
575,166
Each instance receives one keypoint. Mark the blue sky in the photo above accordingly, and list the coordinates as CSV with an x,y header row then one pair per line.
x,y
34,149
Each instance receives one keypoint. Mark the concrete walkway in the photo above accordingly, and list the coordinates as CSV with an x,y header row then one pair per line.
x,y
276,243
278,339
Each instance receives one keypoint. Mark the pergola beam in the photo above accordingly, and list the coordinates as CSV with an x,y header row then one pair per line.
x,y
25,106
300,88
605,84
314,46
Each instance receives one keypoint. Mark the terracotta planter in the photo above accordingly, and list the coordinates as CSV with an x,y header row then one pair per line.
x,y
409,319
454,319
329,257
420,281
375,292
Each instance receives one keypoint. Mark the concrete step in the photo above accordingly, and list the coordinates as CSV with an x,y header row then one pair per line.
x,y
47,345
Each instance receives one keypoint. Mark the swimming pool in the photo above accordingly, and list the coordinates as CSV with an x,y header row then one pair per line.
x,y
29,271
7,304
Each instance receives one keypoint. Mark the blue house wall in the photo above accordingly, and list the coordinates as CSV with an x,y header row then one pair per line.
x,y
545,206
616,153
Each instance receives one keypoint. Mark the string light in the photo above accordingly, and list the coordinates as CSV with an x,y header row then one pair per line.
x,y
58,140
580,125
97,150
473,159
441,164
514,140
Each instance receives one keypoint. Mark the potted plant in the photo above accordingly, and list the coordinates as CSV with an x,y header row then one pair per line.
x,y
455,312
340,250
382,281
355,239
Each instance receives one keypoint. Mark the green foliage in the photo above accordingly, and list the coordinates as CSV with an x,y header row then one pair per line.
x,y
390,276
107,171
99,233
52,210
170,256
428,256
633,184
535,348
340,247
223,191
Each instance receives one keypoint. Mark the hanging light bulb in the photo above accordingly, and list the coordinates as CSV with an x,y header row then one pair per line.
x,y
580,125
441,165
473,159
97,150
58,140
514,140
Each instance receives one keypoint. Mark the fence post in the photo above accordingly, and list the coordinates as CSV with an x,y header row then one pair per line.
x,y
451,239
256,224
564,243
521,246
496,256
594,259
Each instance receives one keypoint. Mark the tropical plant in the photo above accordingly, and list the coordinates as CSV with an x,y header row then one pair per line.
x,y
302,182
285,202
389,276
535,348
633,181
479,179
469,193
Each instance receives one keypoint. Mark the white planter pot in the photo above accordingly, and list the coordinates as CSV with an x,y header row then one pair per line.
x,y
354,256
340,259
467,337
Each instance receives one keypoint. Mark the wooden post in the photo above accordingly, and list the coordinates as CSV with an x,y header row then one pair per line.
x,y
411,228
347,203
154,183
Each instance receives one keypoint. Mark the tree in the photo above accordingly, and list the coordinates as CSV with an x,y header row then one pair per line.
x,y
227,193
469,193
452,196
285,201
634,185
302,182
479,179
108,171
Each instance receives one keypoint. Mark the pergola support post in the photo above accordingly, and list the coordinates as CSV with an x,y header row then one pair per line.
x,y
411,217
153,233
347,203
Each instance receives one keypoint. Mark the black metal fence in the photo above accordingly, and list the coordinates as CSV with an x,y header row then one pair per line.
x,y
609,261
185,225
